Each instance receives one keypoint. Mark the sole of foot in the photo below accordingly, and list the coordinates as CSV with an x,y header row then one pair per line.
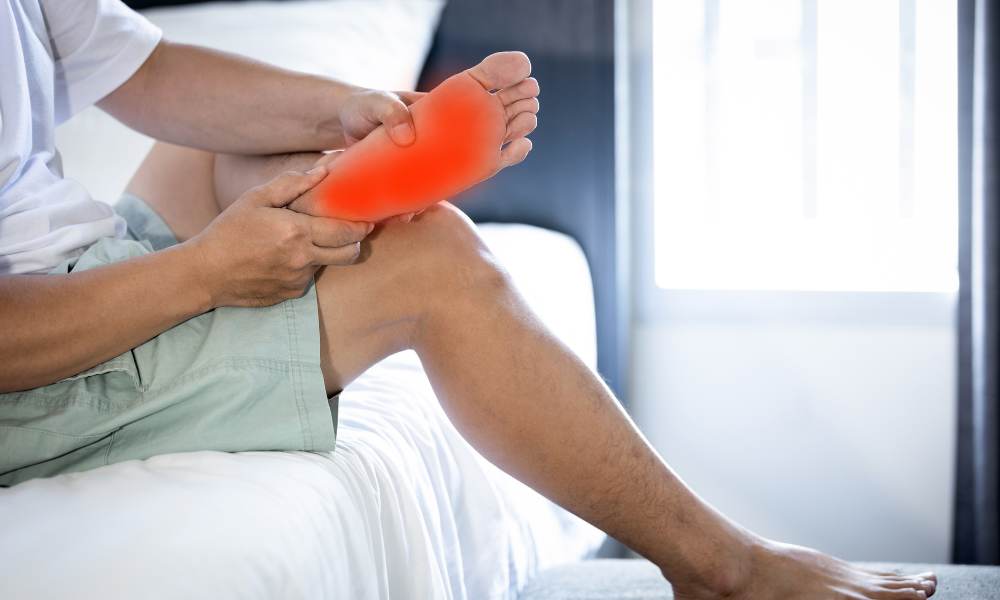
x,y
467,129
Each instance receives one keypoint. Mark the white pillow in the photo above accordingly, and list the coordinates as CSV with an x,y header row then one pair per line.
x,y
373,43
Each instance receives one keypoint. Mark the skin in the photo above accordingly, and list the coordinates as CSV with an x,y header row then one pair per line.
x,y
515,392
461,129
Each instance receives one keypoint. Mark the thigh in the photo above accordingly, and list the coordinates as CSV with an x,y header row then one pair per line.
x,y
235,174
188,188
177,183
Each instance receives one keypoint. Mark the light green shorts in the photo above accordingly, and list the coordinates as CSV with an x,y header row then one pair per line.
x,y
232,379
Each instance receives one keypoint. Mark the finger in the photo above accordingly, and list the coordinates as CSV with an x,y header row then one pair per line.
x,y
522,125
515,152
397,120
527,105
409,98
286,187
342,256
334,233
526,89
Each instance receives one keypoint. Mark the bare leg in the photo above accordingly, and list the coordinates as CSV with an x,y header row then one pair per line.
x,y
177,183
236,174
532,407
188,188
529,405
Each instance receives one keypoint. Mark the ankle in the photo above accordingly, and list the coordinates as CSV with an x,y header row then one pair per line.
x,y
722,569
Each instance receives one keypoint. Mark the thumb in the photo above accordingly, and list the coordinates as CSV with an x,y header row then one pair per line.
x,y
398,122
286,187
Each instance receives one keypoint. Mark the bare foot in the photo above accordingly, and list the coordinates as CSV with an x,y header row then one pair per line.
x,y
785,572
465,132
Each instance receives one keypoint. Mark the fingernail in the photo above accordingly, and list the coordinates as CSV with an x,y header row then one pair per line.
x,y
318,169
403,133
370,227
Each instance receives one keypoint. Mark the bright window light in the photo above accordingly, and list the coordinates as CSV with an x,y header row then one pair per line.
x,y
805,145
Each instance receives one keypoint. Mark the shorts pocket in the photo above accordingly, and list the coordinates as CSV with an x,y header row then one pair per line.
x,y
68,416
23,446
123,363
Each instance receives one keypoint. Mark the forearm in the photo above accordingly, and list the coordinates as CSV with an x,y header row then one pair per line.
x,y
221,102
55,326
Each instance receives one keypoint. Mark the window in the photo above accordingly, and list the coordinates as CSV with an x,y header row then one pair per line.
x,y
805,145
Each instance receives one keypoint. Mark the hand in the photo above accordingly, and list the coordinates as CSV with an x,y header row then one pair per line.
x,y
364,110
256,254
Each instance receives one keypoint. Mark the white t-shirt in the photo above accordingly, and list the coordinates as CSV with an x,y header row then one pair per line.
x,y
57,57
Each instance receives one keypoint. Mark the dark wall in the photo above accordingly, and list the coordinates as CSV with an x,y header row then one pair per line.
x,y
567,181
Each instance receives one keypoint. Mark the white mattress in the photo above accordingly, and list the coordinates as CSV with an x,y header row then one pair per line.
x,y
404,508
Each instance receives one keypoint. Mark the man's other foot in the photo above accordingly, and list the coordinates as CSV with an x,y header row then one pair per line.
x,y
785,572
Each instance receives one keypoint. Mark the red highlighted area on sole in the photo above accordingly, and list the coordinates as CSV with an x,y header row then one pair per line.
x,y
460,128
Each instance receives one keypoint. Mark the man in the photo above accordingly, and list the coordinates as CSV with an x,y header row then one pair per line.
x,y
233,338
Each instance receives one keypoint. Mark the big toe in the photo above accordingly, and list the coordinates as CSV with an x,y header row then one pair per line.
x,y
502,70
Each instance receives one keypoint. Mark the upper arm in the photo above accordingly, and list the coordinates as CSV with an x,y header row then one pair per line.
x,y
97,45
127,99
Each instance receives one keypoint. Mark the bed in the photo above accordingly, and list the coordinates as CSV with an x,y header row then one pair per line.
x,y
404,508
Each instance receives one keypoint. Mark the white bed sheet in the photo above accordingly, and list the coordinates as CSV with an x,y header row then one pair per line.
x,y
404,508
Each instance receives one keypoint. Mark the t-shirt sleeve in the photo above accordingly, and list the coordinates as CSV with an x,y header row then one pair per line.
x,y
96,45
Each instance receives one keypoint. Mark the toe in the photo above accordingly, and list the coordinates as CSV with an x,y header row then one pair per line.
x,y
900,591
528,105
522,125
515,152
525,89
930,585
899,584
501,70
925,581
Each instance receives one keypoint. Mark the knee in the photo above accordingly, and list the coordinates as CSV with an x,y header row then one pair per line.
x,y
451,232
446,252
